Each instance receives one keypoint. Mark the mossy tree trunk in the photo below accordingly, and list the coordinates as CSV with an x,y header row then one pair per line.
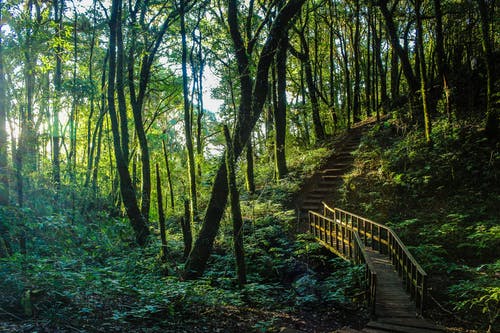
x,y
280,111
234,198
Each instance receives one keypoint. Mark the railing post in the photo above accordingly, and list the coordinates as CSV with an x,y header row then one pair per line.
x,y
423,295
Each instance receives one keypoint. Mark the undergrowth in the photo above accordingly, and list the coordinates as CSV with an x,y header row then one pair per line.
x,y
81,271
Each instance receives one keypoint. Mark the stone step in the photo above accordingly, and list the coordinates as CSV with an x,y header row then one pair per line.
x,y
387,327
315,208
334,171
331,177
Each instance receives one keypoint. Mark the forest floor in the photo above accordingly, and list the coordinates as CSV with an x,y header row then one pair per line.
x,y
83,275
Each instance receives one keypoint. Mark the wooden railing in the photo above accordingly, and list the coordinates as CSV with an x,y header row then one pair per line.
x,y
346,243
339,230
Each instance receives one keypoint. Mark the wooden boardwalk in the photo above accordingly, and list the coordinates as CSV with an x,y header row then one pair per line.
x,y
395,283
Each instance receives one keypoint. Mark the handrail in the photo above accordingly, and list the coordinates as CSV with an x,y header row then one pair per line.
x,y
370,273
398,240
376,235
347,244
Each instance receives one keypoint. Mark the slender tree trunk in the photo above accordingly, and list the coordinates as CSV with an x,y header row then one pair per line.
x,y
137,103
280,111
234,198
56,163
356,106
250,178
91,138
120,87
100,126
4,177
188,128
201,111
394,75
423,74
187,234
377,40
440,55
491,111
311,87
347,82
169,177
74,107
161,217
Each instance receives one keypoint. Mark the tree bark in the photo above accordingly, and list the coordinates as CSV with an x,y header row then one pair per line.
x,y
250,178
161,217
169,177
356,105
280,111
492,121
188,128
56,163
423,74
234,198
4,178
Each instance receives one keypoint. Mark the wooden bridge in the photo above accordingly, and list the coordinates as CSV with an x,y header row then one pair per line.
x,y
394,281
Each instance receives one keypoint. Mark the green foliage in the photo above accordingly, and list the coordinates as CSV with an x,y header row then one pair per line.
x,y
479,295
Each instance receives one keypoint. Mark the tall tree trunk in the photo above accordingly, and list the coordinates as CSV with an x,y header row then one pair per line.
x,y
251,105
120,87
440,55
100,126
74,106
161,217
91,138
394,75
127,190
377,40
234,198
250,178
56,163
491,111
169,177
188,128
423,73
187,234
280,111
4,178
356,105
347,82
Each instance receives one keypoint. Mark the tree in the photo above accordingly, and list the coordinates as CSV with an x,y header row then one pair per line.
x,y
253,93
234,197
188,127
4,178
280,110
126,187
491,110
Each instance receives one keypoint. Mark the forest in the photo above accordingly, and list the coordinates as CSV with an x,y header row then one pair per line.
x,y
154,155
